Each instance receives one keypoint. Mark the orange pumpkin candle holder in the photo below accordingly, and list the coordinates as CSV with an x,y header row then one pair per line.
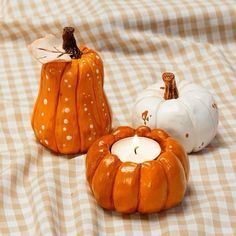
x,y
128,186
71,110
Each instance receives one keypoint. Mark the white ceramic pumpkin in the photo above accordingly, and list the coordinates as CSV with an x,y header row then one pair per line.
x,y
188,113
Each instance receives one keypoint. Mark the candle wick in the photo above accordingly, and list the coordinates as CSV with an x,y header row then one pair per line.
x,y
135,150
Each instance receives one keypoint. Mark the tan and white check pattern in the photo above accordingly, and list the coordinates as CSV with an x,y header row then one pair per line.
x,y
45,194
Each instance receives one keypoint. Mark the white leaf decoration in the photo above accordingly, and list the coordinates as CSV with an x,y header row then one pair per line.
x,y
49,49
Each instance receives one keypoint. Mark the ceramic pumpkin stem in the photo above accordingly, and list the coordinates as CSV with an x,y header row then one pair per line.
x,y
171,91
69,43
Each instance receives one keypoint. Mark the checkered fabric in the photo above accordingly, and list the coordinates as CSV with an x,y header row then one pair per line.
x,y
46,194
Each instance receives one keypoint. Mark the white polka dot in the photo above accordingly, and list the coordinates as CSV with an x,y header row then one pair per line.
x,y
47,77
90,138
45,101
68,137
67,110
42,114
91,126
91,102
88,75
43,127
49,89
93,64
46,141
85,104
103,104
66,121
66,99
52,70
64,128
97,56
69,86
40,131
97,71
85,108
65,80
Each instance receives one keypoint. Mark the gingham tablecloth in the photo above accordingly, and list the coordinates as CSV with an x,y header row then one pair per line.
x,y
45,194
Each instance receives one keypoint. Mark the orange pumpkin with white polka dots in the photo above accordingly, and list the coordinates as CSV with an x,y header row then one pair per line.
x,y
71,110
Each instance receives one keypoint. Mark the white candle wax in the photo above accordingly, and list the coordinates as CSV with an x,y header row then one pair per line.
x,y
136,149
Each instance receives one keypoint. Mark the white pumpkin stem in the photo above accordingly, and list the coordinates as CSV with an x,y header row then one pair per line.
x,y
69,43
171,91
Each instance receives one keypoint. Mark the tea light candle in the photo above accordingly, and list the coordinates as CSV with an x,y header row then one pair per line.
x,y
136,149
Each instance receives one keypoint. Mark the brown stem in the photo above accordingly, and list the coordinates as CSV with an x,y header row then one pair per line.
x,y
69,43
171,91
